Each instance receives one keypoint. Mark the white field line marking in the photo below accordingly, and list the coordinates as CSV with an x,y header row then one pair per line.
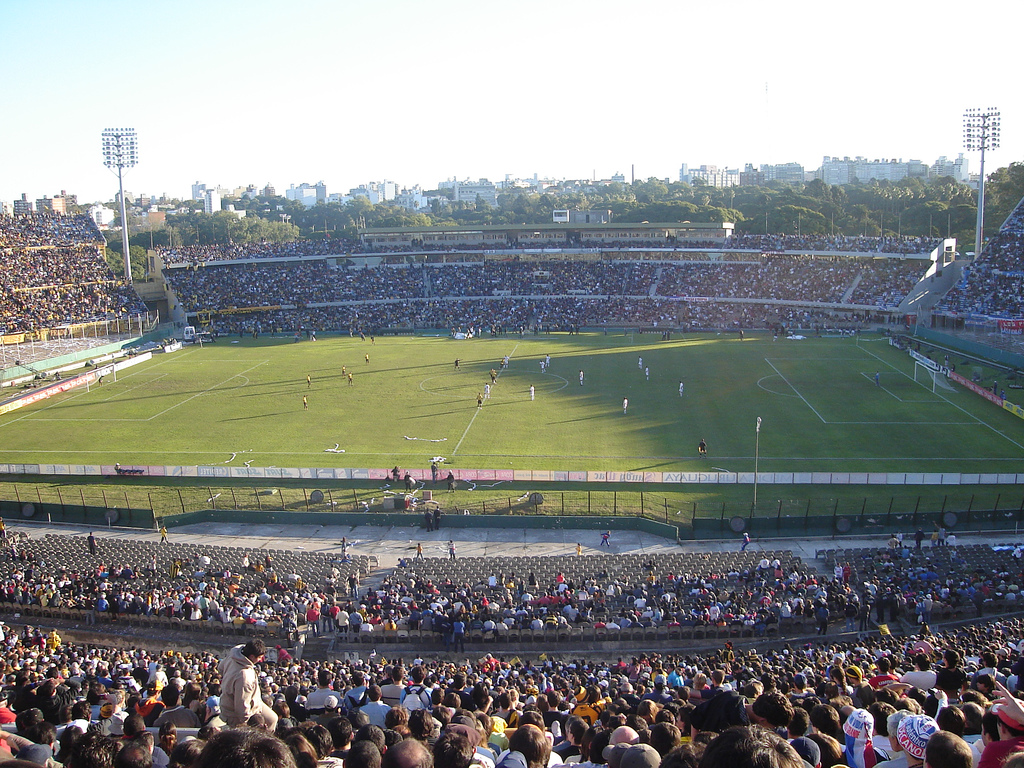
x,y
871,378
83,392
908,423
823,459
205,391
796,391
760,383
132,389
477,413
946,399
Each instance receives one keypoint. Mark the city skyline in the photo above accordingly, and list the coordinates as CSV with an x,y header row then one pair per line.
x,y
236,93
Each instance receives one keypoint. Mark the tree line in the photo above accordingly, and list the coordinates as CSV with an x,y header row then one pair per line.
x,y
911,207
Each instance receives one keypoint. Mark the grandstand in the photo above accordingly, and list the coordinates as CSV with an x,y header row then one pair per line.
x,y
56,276
659,594
991,287
646,623
752,282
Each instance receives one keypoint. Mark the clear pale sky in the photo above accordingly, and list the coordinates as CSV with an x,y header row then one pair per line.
x,y
237,92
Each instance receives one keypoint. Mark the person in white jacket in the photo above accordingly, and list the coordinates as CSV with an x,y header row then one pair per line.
x,y
240,689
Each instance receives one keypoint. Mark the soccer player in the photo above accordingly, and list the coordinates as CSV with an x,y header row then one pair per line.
x,y
581,377
542,366
494,376
479,400
343,370
487,391
457,362
367,359
876,379
640,363
309,382
702,447
625,404
305,403
547,361
350,379
532,392
680,389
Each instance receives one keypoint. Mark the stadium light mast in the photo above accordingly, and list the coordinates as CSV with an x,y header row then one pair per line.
x,y
121,151
981,132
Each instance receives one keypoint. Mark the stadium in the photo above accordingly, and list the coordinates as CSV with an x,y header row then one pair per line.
x,y
456,471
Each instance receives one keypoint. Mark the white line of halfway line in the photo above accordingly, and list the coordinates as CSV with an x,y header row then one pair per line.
x,y
205,391
470,425
797,391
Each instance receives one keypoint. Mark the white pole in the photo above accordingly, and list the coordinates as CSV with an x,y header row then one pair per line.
x,y
757,445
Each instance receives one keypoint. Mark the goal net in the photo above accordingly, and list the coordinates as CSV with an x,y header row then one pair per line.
x,y
928,376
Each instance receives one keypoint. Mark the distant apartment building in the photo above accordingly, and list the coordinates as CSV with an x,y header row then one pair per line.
x,y
751,176
412,199
470,192
23,206
375,191
211,201
269,191
51,205
789,173
307,194
955,168
713,176
848,170
102,215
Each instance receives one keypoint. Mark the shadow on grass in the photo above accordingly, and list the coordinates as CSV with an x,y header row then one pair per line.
x,y
258,416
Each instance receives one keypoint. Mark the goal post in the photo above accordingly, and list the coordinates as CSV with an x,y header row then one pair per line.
x,y
930,375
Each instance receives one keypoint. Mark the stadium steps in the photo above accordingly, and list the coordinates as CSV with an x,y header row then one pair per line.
x,y
853,287
655,281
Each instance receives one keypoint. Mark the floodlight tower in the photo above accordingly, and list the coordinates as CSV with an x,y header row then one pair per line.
x,y
121,151
981,132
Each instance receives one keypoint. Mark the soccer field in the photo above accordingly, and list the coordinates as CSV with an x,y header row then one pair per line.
x,y
241,401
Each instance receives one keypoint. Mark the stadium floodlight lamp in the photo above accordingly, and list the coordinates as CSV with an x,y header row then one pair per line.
x,y
981,132
120,152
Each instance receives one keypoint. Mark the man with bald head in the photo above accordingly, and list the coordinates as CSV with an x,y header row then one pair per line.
x,y
409,753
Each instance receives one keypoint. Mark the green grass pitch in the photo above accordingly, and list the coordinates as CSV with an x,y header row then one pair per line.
x,y
240,401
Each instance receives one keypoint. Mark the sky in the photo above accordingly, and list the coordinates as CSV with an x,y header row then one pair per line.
x,y
232,93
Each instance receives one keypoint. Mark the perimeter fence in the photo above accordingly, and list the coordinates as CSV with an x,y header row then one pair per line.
x,y
847,513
